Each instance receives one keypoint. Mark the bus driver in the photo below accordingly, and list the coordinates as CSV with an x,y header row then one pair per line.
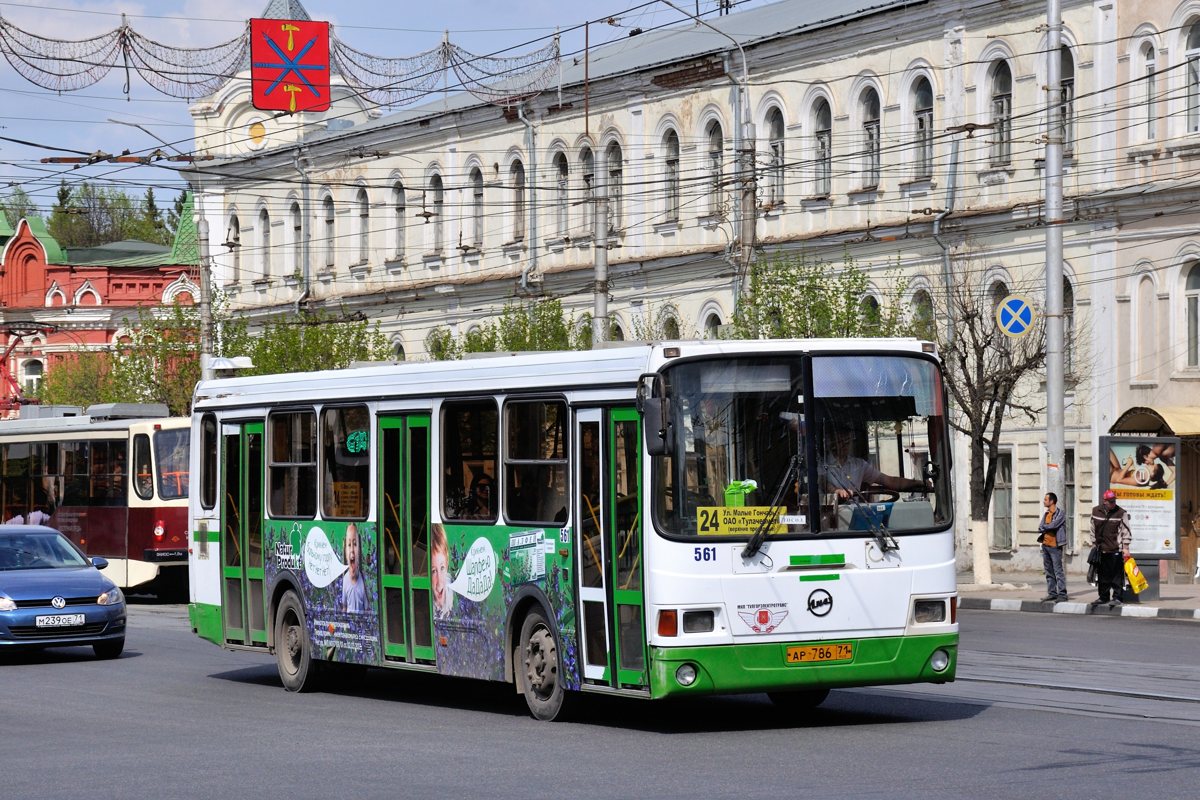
x,y
845,474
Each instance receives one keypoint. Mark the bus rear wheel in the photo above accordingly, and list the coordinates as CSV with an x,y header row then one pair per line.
x,y
539,668
293,651
801,700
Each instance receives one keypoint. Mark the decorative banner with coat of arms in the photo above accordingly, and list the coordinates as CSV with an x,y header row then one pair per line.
x,y
289,65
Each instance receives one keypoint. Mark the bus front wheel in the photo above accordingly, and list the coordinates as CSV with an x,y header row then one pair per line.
x,y
539,669
293,651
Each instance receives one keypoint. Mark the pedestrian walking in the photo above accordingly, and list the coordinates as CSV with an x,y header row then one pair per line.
x,y
1111,534
1052,537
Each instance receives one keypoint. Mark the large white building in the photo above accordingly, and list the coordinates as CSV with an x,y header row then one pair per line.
x,y
874,129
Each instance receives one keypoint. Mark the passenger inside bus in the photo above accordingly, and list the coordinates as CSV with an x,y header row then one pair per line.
x,y
479,502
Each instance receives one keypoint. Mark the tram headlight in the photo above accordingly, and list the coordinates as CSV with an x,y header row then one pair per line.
x,y
939,660
686,674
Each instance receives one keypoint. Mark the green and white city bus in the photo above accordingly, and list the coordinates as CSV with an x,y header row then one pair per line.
x,y
648,520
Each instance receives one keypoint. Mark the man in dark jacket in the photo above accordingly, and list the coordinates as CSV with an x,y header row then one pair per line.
x,y
1052,536
1111,534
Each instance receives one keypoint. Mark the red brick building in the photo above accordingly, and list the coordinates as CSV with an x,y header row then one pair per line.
x,y
55,302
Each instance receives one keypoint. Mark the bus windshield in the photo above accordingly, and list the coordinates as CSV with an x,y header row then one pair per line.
x,y
858,446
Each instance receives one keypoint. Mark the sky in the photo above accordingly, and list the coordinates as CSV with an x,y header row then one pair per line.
x,y
79,120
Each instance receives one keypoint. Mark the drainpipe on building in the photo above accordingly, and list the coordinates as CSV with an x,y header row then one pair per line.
x,y
947,277
304,228
530,187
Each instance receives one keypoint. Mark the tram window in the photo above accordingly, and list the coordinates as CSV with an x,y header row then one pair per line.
x,y
293,464
469,459
345,462
535,462
143,481
208,461
171,457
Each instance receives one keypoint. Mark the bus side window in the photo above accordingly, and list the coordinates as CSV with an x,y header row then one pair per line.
x,y
143,482
469,434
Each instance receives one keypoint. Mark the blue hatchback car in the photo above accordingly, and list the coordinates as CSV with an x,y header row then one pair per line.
x,y
52,595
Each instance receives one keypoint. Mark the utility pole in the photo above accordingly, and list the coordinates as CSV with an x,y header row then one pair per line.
x,y
600,239
206,324
1056,119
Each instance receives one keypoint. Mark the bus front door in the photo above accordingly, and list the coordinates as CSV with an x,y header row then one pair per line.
x,y
242,534
404,528
610,548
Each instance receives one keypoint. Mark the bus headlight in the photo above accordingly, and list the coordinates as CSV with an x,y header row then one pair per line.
x,y
929,611
939,660
686,674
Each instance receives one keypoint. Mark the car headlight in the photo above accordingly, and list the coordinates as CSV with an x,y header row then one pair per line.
x,y
7,603
111,598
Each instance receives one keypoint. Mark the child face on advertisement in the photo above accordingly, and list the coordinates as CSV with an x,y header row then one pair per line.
x,y
353,551
441,577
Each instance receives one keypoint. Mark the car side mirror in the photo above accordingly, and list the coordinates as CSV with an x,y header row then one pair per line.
x,y
99,563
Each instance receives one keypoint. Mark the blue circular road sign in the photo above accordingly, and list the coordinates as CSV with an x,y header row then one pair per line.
x,y
1015,315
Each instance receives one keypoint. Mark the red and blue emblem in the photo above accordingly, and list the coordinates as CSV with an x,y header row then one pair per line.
x,y
289,65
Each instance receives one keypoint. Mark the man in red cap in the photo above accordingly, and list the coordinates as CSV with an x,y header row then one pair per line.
x,y
1111,534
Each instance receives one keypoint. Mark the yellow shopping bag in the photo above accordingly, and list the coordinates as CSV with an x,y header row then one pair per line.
x,y
1137,581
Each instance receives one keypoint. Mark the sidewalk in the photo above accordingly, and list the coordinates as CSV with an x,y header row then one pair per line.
x,y
1022,591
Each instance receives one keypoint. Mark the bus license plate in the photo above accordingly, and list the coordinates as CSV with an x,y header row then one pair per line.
x,y
818,653
58,620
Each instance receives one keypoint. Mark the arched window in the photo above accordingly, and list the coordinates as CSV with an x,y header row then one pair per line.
x,y
996,294
1001,151
1193,78
1145,337
923,323
869,309
330,222
1191,293
438,199
712,326
33,370
476,208
614,163
264,244
516,176
233,241
1149,75
397,242
296,243
671,175
922,100
777,166
716,157
1066,107
823,149
364,227
562,175
869,108
397,351
1068,304
670,328
587,172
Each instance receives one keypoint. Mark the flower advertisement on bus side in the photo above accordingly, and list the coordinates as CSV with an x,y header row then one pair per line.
x,y
337,567
478,574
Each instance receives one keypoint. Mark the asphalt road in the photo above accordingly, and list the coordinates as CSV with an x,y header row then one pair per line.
x,y
1046,706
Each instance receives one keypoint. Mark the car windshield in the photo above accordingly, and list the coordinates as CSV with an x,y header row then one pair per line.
x,y
858,446
38,550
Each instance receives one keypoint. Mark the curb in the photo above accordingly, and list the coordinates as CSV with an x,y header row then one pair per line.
x,y
1066,607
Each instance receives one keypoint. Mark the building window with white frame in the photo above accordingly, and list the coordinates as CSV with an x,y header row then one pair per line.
x,y
1002,500
614,163
922,98
476,181
398,208
777,168
1144,339
1068,306
716,165
562,175
1067,503
587,176
364,227
1001,147
823,149
264,244
1191,295
869,109
516,177
438,197
296,245
671,175
233,242
1066,104
1149,90
330,224
32,372
1192,55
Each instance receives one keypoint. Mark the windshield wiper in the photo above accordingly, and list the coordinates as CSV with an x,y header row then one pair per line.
x,y
760,533
883,537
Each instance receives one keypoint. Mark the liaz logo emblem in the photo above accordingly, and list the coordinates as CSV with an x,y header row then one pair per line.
x,y
820,603
762,619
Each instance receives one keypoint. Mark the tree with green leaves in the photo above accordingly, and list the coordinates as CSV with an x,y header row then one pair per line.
x,y
792,296
541,325
18,205
87,216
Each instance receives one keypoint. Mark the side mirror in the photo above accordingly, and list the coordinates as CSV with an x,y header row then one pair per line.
x,y
99,562
655,409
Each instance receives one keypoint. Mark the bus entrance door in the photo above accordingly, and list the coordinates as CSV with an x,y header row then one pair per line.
x,y
404,538
242,534
610,548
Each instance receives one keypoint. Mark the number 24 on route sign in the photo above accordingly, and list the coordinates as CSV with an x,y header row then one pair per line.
x,y
1015,315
